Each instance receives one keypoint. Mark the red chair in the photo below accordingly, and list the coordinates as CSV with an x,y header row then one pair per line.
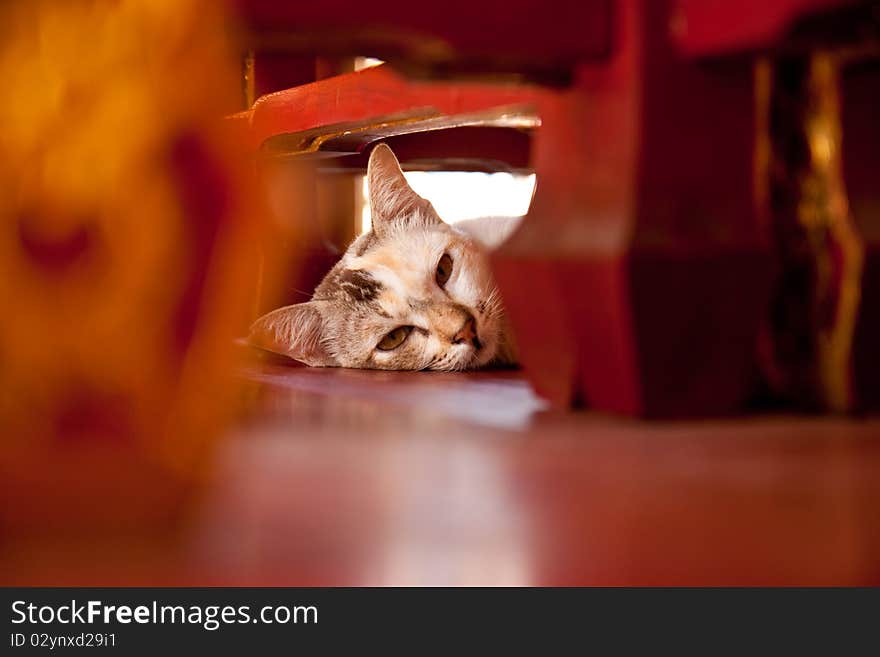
x,y
648,267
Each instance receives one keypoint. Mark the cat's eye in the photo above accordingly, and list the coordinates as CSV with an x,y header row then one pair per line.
x,y
394,339
444,270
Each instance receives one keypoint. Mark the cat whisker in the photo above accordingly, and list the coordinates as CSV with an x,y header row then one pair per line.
x,y
445,363
493,305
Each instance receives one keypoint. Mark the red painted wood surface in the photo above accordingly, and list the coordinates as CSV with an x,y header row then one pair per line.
x,y
372,94
646,228
453,35
346,477
717,27
273,71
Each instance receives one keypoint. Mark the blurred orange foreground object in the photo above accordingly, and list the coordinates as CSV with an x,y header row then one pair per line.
x,y
119,284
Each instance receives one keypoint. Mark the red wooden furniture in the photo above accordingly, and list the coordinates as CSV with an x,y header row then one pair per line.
x,y
650,244
860,91
654,273
523,39
720,27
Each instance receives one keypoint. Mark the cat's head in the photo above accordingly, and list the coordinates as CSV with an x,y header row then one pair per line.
x,y
413,293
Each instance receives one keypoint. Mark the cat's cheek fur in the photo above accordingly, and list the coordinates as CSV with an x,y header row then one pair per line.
x,y
471,289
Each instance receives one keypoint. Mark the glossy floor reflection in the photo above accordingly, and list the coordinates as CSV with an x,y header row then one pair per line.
x,y
343,477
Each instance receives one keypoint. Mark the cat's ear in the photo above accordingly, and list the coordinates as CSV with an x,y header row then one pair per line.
x,y
296,331
392,200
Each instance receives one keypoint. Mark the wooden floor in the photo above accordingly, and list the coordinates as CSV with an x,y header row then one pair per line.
x,y
342,477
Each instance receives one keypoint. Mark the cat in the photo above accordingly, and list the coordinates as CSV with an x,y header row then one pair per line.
x,y
413,293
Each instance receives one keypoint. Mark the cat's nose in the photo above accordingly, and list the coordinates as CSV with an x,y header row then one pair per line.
x,y
467,332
